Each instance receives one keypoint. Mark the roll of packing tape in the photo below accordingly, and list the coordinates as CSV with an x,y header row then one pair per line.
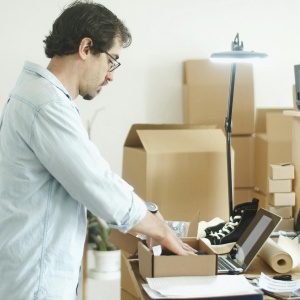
x,y
276,257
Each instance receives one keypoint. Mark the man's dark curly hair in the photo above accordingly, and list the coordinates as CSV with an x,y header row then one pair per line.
x,y
83,19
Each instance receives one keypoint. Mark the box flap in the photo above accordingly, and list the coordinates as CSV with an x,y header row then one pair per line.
x,y
278,127
126,242
193,228
145,261
182,141
133,139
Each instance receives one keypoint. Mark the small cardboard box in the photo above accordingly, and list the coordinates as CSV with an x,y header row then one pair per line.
x,y
280,186
205,95
282,199
282,171
175,265
166,265
282,211
272,147
181,168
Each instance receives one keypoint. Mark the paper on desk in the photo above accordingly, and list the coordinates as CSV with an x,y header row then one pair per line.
x,y
277,286
196,286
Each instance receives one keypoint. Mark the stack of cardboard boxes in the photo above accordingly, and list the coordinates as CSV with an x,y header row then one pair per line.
x,y
281,198
205,101
273,145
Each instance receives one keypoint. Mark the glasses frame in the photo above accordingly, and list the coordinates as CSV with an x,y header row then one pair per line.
x,y
116,63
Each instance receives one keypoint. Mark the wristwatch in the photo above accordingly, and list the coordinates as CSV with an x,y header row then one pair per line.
x,y
152,207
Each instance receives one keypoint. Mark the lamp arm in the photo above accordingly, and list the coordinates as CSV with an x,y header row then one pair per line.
x,y
228,129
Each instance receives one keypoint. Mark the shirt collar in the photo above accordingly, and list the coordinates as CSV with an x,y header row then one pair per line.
x,y
32,67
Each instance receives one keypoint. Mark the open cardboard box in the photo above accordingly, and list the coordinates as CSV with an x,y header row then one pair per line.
x,y
181,168
168,265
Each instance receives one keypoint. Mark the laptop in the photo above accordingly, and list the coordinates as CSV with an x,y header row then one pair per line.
x,y
249,244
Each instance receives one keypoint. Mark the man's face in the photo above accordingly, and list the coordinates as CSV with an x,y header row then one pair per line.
x,y
97,72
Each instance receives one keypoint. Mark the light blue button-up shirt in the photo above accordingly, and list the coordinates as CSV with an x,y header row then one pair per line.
x,y
50,174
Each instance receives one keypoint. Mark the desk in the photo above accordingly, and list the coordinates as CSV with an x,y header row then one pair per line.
x,y
257,266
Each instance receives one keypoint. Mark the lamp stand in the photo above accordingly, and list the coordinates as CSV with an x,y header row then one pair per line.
x,y
228,129
236,54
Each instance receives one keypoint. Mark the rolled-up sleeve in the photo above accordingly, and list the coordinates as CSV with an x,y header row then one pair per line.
x,y
61,143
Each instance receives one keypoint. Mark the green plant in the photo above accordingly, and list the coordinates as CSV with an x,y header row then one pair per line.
x,y
98,234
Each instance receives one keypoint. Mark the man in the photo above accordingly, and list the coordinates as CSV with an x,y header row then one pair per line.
x,y
51,172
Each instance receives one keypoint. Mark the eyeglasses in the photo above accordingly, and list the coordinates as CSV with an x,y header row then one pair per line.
x,y
115,63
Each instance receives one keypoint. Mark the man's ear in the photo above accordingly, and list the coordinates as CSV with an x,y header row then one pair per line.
x,y
84,48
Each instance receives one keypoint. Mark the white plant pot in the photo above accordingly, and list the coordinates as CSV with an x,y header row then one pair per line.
x,y
107,261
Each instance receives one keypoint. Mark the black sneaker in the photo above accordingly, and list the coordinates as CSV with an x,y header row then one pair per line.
x,y
215,224
241,217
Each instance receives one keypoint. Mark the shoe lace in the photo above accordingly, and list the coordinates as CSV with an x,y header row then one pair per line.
x,y
227,228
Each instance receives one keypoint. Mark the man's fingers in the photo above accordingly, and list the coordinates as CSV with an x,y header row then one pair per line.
x,y
188,247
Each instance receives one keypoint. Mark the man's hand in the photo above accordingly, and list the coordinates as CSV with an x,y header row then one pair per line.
x,y
160,232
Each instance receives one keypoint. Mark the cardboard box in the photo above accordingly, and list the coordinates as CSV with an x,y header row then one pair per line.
x,y
242,195
182,169
127,296
263,199
282,199
205,95
244,161
261,117
282,171
164,265
127,283
272,147
283,211
175,265
286,225
280,186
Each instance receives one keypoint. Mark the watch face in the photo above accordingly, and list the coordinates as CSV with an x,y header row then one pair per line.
x,y
152,207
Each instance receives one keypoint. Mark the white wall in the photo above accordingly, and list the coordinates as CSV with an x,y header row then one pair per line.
x,y
147,87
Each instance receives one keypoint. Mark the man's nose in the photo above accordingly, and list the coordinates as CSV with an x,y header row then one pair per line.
x,y
109,76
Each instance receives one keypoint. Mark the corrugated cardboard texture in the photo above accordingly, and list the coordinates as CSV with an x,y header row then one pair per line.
x,y
182,171
205,95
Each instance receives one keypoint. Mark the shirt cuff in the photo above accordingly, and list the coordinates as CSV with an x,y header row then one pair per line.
x,y
135,214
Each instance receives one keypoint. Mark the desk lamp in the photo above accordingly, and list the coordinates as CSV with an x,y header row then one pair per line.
x,y
237,54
